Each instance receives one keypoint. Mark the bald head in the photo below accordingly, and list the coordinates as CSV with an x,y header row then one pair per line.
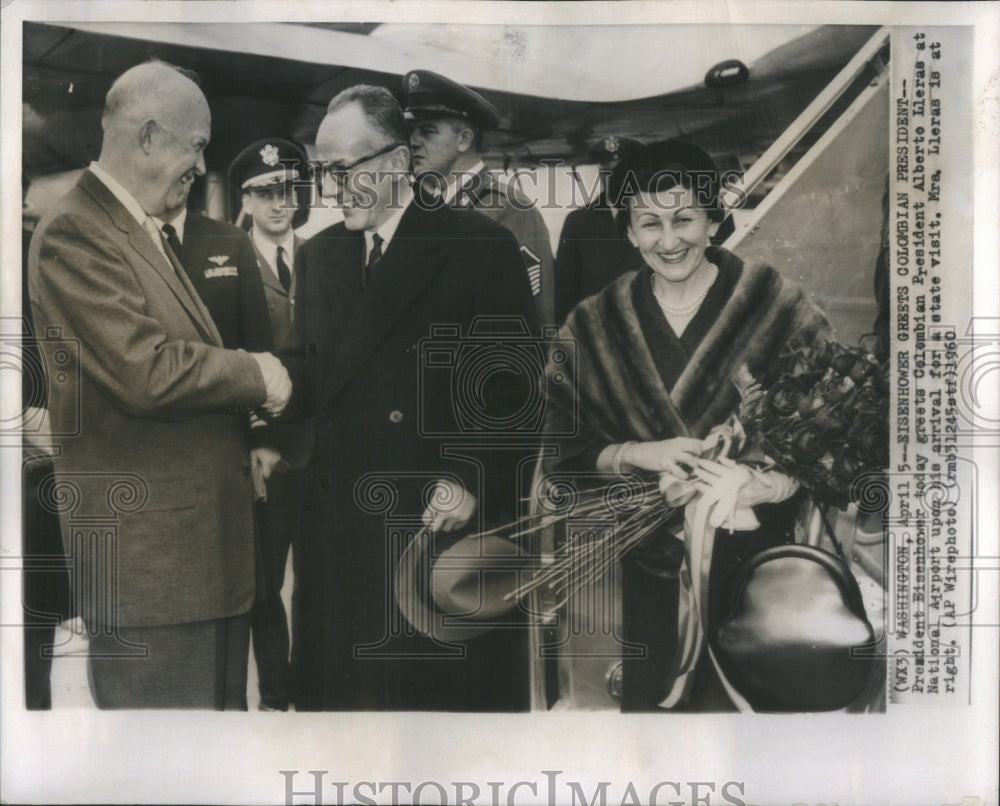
x,y
149,90
156,125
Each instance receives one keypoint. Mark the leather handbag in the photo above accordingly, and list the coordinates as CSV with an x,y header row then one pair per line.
x,y
797,637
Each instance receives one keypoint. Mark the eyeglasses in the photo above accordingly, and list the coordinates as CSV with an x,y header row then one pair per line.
x,y
338,173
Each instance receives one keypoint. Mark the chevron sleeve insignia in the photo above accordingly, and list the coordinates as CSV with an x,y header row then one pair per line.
x,y
533,266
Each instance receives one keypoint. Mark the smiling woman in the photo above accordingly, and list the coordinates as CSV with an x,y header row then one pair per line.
x,y
655,352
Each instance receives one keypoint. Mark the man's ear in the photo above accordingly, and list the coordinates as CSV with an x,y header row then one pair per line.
x,y
146,131
401,159
465,138
245,199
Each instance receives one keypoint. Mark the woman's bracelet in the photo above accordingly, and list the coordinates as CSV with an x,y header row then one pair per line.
x,y
616,457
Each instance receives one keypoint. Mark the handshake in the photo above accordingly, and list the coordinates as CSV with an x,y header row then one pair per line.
x,y
276,381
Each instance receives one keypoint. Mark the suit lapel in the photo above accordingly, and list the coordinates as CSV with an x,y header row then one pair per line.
x,y
414,255
194,250
207,324
339,279
267,275
141,242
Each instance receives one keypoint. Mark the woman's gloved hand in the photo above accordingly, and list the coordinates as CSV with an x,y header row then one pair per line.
x,y
735,488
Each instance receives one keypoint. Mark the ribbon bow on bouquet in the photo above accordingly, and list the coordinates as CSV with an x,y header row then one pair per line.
x,y
719,493
726,489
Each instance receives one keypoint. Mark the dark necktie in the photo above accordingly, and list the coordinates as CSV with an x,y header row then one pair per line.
x,y
284,275
172,240
373,257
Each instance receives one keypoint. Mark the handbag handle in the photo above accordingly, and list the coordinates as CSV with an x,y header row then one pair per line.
x,y
837,569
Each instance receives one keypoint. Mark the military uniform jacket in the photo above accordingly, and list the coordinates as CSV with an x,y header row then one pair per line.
x,y
504,204
280,303
219,258
293,439
592,252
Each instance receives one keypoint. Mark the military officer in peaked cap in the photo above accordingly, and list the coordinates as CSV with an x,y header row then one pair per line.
x,y
592,250
447,123
266,174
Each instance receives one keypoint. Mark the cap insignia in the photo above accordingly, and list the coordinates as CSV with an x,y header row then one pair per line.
x,y
413,82
269,154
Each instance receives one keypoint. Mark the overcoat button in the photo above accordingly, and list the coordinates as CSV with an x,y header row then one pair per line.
x,y
396,416
325,483
311,348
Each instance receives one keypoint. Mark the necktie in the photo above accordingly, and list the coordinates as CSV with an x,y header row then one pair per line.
x,y
172,240
284,275
160,242
373,257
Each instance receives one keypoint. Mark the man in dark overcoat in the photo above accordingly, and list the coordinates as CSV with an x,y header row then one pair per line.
x,y
385,303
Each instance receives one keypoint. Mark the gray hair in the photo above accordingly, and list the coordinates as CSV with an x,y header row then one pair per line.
x,y
381,109
142,89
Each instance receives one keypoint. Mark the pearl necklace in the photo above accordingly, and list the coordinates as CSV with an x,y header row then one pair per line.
x,y
692,306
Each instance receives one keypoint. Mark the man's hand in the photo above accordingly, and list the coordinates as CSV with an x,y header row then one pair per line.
x,y
265,459
277,382
37,431
451,507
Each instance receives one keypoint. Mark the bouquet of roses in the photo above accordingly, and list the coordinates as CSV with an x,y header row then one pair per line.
x,y
822,419
820,416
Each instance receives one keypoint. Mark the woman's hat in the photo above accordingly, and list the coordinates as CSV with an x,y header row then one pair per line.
x,y
659,166
458,592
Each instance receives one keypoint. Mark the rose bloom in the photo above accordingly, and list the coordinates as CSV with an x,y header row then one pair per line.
x,y
870,438
786,395
807,443
846,465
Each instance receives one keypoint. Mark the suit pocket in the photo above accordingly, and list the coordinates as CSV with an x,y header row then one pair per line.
x,y
165,495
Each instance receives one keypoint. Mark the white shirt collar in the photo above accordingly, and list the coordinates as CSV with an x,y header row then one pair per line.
x,y
452,189
177,224
128,201
269,249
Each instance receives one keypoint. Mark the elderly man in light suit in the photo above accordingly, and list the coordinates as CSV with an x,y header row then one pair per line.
x,y
165,579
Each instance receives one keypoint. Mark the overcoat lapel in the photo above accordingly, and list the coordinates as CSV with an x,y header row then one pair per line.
x,y
140,241
411,260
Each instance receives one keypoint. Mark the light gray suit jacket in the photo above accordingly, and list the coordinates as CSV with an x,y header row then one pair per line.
x,y
153,460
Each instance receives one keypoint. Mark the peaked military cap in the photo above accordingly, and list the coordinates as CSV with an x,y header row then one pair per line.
x,y
267,162
431,95
612,149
